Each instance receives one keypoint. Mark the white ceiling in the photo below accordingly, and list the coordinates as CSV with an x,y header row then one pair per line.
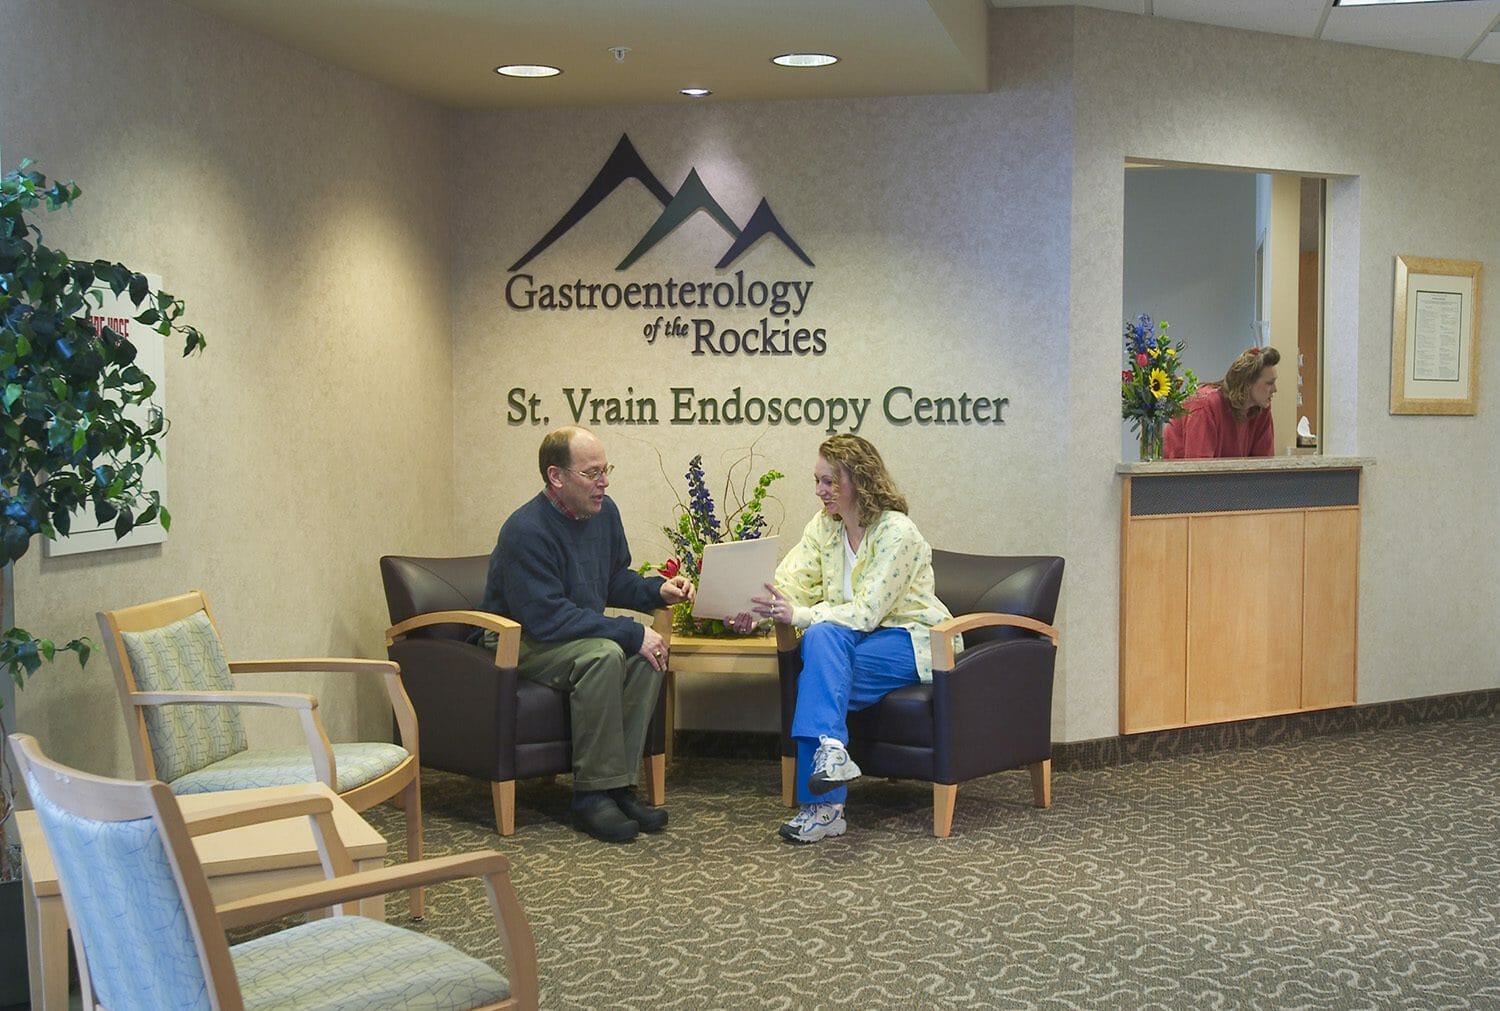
x,y
446,50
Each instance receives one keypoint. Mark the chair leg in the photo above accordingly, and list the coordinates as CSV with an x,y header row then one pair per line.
x,y
656,780
504,797
788,781
411,802
1041,782
943,796
671,689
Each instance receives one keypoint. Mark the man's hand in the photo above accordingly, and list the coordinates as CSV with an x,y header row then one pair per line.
x,y
654,649
676,590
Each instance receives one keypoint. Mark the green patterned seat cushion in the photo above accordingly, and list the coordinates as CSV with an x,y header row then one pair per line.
x,y
354,765
185,656
351,963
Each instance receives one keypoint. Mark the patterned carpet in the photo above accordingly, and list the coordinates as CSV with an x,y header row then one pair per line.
x,y
1350,871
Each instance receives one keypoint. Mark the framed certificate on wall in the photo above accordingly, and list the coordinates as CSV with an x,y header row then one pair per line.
x,y
1435,336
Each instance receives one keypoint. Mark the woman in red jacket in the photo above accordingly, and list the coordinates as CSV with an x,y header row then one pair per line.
x,y
1231,417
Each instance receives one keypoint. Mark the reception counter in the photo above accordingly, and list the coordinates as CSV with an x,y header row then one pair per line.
x,y
1238,588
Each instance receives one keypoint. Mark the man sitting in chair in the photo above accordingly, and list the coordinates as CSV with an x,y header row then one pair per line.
x,y
559,561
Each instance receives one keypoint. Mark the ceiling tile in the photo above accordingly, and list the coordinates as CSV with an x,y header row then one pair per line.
x,y
1489,49
1280,17
1444,29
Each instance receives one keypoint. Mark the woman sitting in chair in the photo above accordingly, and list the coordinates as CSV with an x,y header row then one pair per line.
x,y
860,583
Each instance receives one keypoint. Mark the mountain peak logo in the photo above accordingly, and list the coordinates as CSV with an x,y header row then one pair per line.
x,y
624,164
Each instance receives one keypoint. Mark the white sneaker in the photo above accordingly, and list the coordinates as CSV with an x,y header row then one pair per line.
x,y
814,822
831,766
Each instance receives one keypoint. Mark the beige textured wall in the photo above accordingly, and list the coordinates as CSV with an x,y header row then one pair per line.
x,y
936,227
295,208
1413,139
975,244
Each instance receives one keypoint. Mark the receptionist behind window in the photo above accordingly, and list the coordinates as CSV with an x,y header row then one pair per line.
x,y
1231,417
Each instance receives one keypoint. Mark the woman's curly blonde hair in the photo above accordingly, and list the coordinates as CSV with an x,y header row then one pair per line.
x,y
874,489
1243,373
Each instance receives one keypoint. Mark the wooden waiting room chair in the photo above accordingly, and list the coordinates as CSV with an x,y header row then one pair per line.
x,y
478,717
183,720
148,937
988,708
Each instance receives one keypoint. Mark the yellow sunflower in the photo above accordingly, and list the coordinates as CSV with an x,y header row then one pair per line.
x,y
1160,384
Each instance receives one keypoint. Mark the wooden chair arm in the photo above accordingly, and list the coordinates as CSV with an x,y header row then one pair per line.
x,y
361,885
332,665
479,619
661,621
219,819
944,631
280,700
786,637
507,648
307,711
510,919
406,714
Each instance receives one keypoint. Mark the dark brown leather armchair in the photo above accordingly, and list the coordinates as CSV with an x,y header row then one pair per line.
x,y
476,717
988,708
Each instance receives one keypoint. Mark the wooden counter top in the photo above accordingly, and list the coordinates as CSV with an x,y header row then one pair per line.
x,y
1169,468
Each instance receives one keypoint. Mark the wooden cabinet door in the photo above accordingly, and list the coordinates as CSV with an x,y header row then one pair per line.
x,y
1330,608
1244,615
1153,625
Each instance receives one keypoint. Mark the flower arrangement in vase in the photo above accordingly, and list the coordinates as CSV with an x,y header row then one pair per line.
x,y
1154,385
698,524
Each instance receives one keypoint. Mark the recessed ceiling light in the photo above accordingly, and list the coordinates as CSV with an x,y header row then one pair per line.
x,y
695,92
804,60
527,70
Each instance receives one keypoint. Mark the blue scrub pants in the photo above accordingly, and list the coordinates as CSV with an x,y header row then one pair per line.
x,y
842,671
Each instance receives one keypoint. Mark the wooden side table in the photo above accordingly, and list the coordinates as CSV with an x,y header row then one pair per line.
x,y
238,863
704,654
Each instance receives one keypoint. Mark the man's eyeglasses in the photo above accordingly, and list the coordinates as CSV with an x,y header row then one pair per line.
x,y
593,474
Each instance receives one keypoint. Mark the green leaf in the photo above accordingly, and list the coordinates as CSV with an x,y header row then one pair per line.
x,y
12,393
84,648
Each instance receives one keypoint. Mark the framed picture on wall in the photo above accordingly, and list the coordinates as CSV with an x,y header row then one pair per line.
x,y
88,534
1435,336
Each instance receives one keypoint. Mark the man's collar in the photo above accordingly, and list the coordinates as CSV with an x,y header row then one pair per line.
x,y
559,503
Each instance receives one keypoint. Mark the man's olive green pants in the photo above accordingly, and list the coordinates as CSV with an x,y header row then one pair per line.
x,y
611,698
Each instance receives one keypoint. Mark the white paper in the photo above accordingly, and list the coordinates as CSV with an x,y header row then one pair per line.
x,y
1435,336
731,573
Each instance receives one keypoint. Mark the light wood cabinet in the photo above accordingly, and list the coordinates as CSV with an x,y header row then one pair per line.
x,y
1238,594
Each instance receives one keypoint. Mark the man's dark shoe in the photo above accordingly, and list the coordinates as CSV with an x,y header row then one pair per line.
x,y
599,816
650,819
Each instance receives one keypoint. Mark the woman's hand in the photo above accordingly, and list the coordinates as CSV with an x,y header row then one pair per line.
x,y
773,605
